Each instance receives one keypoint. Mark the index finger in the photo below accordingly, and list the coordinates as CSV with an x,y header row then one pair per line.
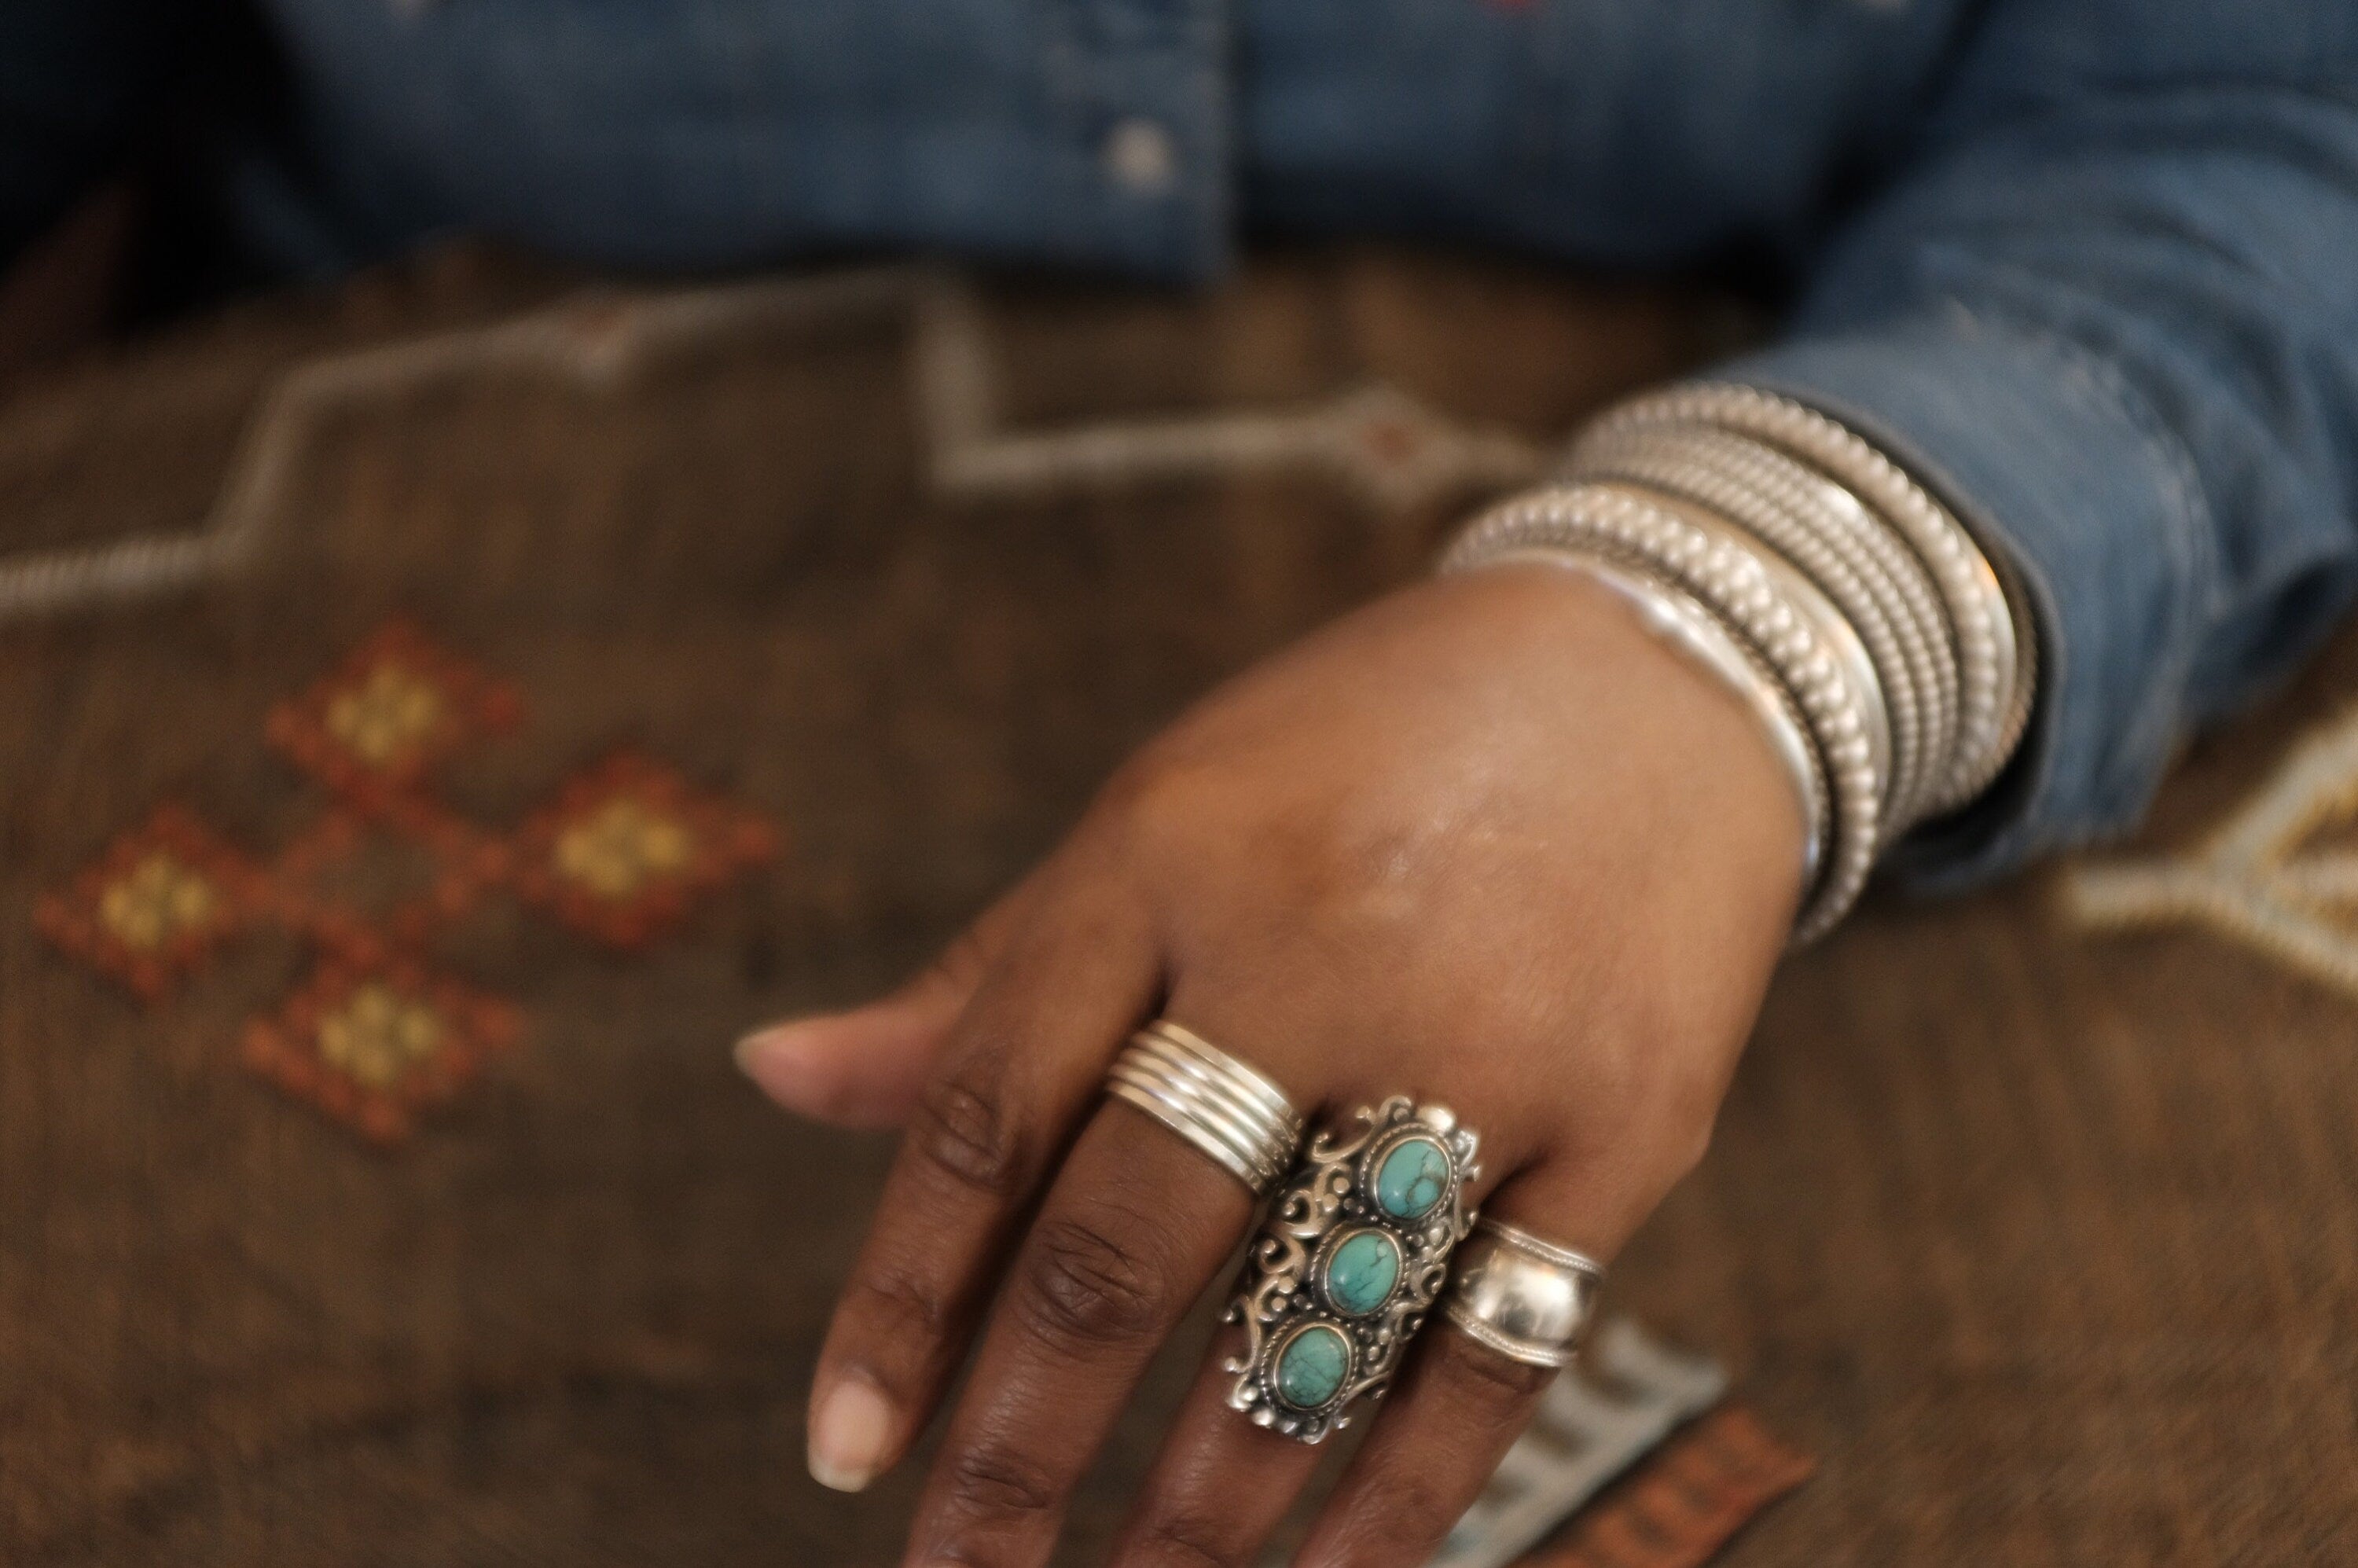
x,y
1136,1226
1022,1065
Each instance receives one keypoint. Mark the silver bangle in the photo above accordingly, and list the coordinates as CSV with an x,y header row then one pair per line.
x,y
1829,535
1833,631
1679,619
1908,654
1991,648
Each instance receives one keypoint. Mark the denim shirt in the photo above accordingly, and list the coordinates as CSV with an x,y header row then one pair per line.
x,y
2087,267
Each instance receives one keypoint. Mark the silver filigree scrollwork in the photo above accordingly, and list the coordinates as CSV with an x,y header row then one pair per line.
x,y
1347,1266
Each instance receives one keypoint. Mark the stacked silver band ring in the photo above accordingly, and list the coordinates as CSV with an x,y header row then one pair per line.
x,y
1525,1298
1218,1103
1353,1257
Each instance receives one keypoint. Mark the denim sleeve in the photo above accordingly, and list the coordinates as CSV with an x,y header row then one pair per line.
x,y
75,76
2111,317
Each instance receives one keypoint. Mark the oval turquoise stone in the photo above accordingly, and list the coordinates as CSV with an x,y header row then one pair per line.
x,y
1411,1179
1362,1272
1311,1369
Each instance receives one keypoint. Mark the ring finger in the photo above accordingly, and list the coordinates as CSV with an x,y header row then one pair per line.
x,y
1460,1405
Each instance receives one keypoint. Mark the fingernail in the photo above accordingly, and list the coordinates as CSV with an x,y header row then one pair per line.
x,y
848,1432
769,1056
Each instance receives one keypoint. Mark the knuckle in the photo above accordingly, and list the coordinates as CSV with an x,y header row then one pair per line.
x,y
964,1128
1081,1285
899,1308
1677,1111
962,963
1616,1074
996,1485
1141,788
1155,810
1693,1141
1188,1540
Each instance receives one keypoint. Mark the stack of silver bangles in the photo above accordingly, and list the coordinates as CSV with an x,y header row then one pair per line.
x,y
1890,663
1368,1231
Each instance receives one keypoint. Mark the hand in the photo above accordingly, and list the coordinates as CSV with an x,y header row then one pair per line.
x,y
1486,843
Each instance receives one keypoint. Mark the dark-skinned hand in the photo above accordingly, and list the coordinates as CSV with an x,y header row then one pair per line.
x,y
1484,842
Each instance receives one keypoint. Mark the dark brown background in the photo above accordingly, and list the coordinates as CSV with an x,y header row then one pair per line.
x,y
2043,1243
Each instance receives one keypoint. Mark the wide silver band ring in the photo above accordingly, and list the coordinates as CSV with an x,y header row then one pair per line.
x,y
1217,1103
1349,1261
1527,1299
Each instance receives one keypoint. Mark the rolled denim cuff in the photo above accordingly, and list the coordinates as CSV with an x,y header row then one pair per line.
x,y
2055,465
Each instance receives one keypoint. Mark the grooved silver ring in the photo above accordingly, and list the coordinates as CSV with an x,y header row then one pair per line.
x,y
1225,1108
1527,1299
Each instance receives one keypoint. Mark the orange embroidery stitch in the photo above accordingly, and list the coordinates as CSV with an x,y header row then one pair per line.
x,y
621,856
394,707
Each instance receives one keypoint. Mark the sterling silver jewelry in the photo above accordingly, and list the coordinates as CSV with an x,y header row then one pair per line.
x,y
1349,1262
1994,649
1825,532
1527,1299
1909,653
1224,1108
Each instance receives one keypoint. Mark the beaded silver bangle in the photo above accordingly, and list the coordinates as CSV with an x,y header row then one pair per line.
x,y
1808,604
1905,654
1993,651
1678,463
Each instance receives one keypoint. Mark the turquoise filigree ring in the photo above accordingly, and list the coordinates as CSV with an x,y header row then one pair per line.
x,y
1349,1265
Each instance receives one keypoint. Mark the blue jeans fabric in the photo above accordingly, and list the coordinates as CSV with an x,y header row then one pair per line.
x,y
2089,267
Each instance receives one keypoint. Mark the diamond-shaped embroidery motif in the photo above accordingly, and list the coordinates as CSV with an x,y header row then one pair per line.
x,y
156,904
621,856
373,1046
396,707
627,849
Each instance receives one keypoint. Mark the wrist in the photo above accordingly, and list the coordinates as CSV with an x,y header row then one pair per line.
x,y
1637,713
1869,602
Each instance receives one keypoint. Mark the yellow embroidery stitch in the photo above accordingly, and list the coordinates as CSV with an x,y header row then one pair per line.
x,y
392,711
622,847
379,1036
158,899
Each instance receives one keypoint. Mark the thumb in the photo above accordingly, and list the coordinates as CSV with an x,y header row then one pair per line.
x,y
864,1067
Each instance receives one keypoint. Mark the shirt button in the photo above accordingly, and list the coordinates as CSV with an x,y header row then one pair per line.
x,y
1139,158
